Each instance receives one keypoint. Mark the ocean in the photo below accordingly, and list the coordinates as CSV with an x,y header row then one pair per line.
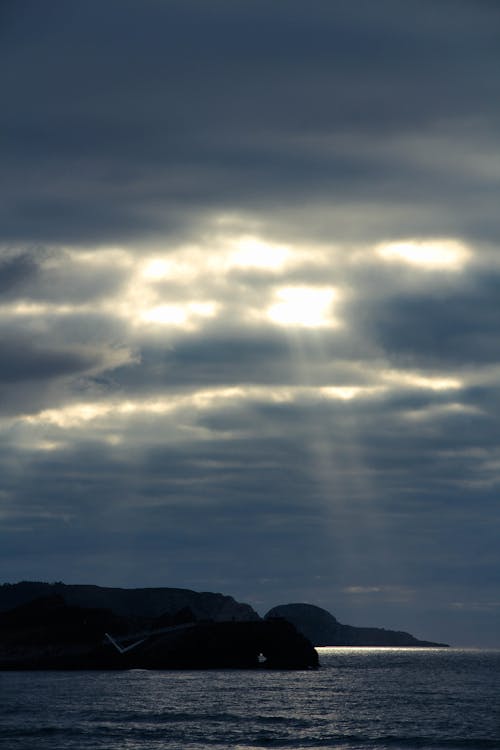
x,y
359,699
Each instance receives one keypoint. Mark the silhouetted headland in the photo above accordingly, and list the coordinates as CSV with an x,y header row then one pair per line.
x,y
59,626
198,631
323,629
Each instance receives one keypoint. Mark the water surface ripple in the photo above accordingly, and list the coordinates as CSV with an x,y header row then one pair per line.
x,y
360,699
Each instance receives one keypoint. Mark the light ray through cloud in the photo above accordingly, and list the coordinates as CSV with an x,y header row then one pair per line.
x,y
250,303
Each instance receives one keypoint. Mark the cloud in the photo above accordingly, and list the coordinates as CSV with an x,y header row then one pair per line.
x,y
22,361
15,271
329,102
248,302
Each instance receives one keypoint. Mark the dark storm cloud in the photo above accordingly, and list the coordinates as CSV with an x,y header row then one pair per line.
x,y
121,119
447,328
37,370
64,280
24,360
16,270
206,358
181,502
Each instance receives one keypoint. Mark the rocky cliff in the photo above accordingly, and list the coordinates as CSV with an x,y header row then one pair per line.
x,y
323,629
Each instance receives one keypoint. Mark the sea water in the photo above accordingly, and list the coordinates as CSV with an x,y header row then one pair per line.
x,y
359,699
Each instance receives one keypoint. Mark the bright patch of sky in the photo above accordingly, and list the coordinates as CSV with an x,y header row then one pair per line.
x,y
428,255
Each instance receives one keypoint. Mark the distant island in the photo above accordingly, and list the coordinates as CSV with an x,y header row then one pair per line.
x,y
60,626
323,629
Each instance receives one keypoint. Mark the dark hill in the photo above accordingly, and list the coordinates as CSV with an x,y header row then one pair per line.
x,y
145,602
47,633
323,629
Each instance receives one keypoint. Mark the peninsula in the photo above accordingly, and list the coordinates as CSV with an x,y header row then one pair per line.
x,y
323,629
53,626
60,626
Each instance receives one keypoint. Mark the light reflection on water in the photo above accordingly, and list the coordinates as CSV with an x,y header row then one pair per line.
x,y
360,698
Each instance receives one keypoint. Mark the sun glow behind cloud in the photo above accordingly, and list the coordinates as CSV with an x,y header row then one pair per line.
x,y
218,255
184,316
182,266
187,285
114,411
252,252
76,414
429,255
191,283
302,306
417,380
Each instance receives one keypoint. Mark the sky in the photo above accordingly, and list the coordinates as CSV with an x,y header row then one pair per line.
x,y
250,303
